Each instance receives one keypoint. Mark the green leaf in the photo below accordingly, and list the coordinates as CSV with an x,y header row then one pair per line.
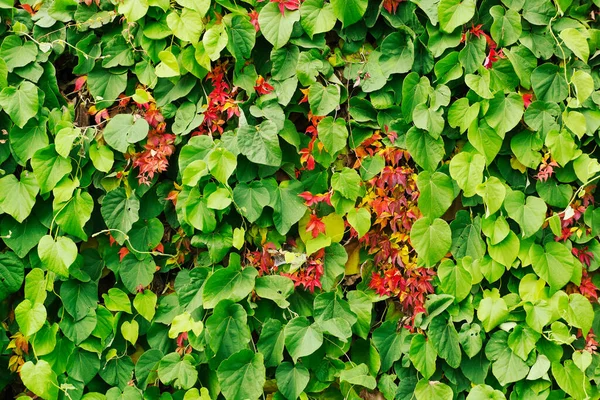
x,y
467,169
135,272
146,235
242,36
334,265
347,183
423,355
480,84
102,157
185,323
12,274
426,151
429,120
215,39
186,26
169,66
461,114
227,329
466,236
584,85
522,341
562,146
271,342
178,371
79,297
120,212
444,338
504,113
349,11
195,171
40,379
485,140
291,379
302,338
22,237
64,140
123,130
397,53
17,54
57,255
288,206
130,331
509,368
433,390
29,139
30,317
333,134
471,339
529,214
553,263
251,199
389,343
454,280
228,283
553,194
276,26
506,28
221,163
358,375
361,305
317,17
579,313
415,91
506,251
586,168
73,213
549,83
333,315
17,197
436,193
576,42
493,192
360,220
485,392
197,213
495,228
526,146
117,300
49,168
275,287
260,143
571,379
523,62
21,103
454,13
323,99
133,9
145,304
242,376
106,86
492,310
431,239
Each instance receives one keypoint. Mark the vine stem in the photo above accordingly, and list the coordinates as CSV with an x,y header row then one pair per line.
x,y
153,252
564,57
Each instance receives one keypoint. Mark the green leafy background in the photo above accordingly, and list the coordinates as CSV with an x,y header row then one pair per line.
x,y
157,241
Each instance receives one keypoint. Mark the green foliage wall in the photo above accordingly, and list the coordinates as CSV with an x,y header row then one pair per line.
x,y
315,199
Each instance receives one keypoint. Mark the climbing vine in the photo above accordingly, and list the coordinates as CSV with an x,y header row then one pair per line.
x,y
315,199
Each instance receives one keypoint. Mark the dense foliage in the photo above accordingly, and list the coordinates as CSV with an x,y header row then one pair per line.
x,y
324,199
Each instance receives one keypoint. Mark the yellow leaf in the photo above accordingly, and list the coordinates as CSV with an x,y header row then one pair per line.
x,y
353,263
